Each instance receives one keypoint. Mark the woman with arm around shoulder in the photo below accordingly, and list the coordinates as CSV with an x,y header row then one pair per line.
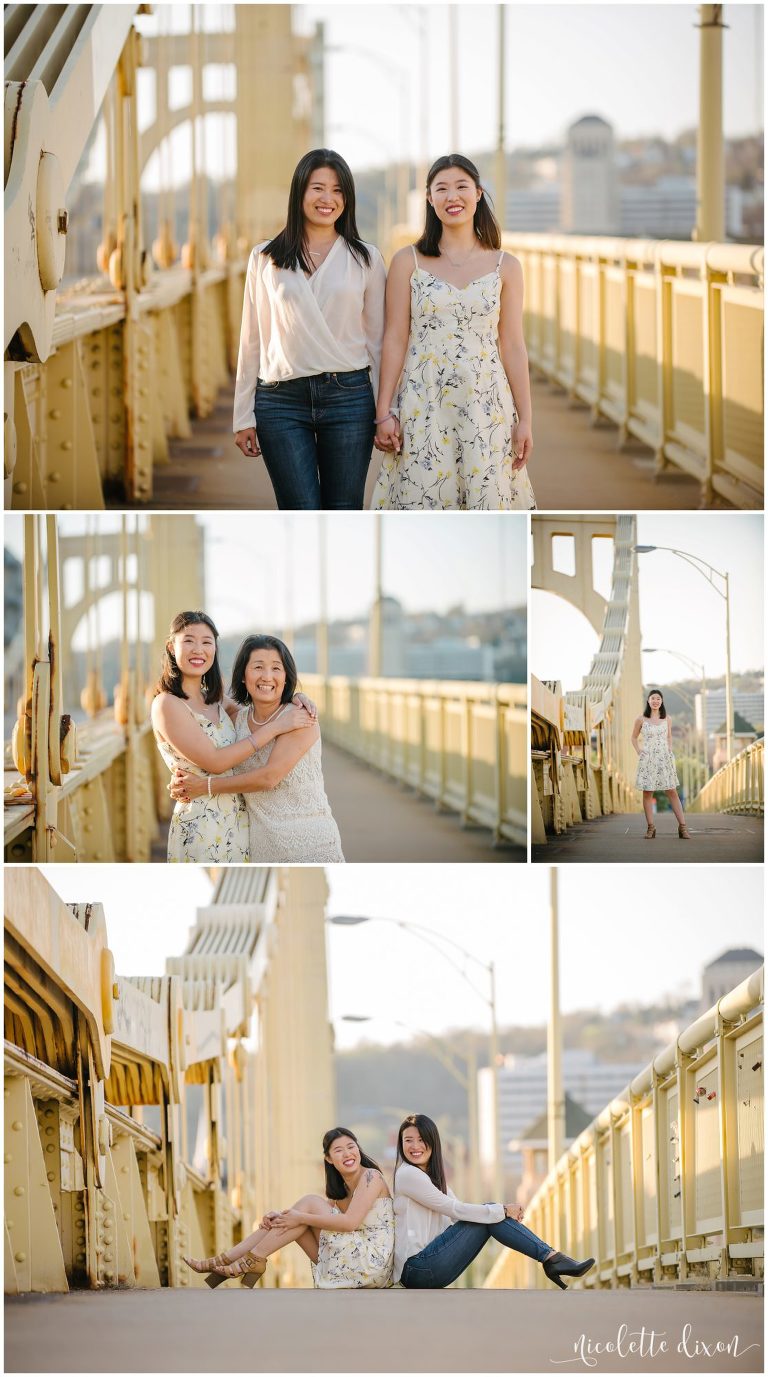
x,y
290,818
348,1235
310,344
656,770
458,432
193,731
438,1236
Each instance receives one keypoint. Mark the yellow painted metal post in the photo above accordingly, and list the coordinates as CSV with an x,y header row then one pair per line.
x,y
710,164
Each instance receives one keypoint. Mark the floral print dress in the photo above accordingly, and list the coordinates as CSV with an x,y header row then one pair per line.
x,y
455,405
364,1257
211,829
656,767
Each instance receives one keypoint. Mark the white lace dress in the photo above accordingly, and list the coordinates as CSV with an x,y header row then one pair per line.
x,y
656,767
455,405
364,1257
292,822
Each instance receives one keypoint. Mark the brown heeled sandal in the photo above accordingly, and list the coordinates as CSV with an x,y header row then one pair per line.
x,y
682,832
248,1268
650,831
207,1264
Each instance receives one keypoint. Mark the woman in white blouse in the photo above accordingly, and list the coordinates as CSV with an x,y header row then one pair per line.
x,y
310,345
438,1236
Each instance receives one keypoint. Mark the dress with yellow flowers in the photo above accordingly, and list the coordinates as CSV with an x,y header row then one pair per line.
x,y
208,828
455,405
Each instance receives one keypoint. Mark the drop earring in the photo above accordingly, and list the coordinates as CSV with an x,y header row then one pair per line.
x,y
204,684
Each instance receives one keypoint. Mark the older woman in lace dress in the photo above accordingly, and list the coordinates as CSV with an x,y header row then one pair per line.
x,y
289,817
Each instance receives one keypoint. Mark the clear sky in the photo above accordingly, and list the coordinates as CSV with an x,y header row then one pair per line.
x,y
647,936
261,566
677,609
636,65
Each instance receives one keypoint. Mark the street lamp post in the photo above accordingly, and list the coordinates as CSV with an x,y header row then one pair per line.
x,y
709,573
428,935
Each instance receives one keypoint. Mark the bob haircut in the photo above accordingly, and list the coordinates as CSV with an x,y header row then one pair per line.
x,y
170,674
430,1134
335,1188
287,248
647,708
486,225
237,688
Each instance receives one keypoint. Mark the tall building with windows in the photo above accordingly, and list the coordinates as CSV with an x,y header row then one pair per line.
x,y
590,203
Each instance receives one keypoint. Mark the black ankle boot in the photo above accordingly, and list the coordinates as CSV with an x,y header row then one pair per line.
x,y
560,1265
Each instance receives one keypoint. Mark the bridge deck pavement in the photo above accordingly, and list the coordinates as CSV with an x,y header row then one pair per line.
x,y
232,1330
381,820
716,839
576,466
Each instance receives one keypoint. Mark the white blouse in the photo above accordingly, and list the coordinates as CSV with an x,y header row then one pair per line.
x,y
295,326
422,1213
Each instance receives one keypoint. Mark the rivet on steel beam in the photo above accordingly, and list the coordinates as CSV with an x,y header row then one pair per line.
x,y
17,1125
19,1190
51,1176
55,414
54,477
50,1147
66,444
20,487
66,383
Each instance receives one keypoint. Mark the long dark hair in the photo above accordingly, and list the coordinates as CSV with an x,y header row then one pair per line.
x,y
237,688
287,248
647,708
170,674
335,1189
430,1134
486,225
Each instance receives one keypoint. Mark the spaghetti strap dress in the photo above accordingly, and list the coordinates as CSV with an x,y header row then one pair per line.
x,y
656,767
455,405
363,1257
207,829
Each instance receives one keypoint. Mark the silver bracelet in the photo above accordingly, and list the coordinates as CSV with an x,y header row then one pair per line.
x,y
210,786
381,419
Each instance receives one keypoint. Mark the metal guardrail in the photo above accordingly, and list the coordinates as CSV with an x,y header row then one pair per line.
x,y
666,1184
738,787
664,338
138,1123
461,744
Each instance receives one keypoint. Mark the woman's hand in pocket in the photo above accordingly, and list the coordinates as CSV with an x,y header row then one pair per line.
x,y
247,441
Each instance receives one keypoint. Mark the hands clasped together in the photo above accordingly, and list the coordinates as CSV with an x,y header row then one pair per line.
x,y
389,439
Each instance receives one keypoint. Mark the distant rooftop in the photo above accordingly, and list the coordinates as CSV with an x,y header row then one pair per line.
x,y
576,1120
735,954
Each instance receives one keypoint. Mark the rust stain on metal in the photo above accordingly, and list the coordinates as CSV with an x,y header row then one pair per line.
x,y
15,116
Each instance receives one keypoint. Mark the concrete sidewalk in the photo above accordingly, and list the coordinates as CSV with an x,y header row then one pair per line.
x,y
716,839
577,466
234,1330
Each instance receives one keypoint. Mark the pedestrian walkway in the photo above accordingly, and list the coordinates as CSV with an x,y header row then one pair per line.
x,y
235,1330
716,839
381,820
577,466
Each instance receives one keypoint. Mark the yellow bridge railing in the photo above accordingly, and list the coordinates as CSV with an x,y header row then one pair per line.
x,y
738,787
138,1123
99,412
665,339
666,1184
461,744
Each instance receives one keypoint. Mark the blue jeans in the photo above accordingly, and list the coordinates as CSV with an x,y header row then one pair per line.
x,y
316,437
448,1255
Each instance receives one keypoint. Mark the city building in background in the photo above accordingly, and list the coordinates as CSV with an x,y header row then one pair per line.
x,y
590,1081
726,972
